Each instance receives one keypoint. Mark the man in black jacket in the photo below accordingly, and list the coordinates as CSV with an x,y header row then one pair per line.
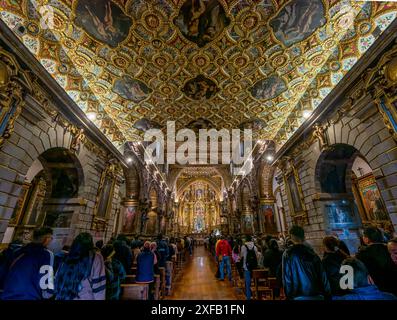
x,y
303,275
377,259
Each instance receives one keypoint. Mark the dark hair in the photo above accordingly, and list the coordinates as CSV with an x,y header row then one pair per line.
x,y
66,248
297,232
360,272
334,245
76,267
39,234
394,240
107,250
273,245
373,234
248,238
99,244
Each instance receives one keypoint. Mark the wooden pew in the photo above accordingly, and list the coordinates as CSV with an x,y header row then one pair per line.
x,y
157,284
135,291
162,282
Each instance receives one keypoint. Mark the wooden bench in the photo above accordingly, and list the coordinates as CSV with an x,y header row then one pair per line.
x,y
129,279
260,279
135,291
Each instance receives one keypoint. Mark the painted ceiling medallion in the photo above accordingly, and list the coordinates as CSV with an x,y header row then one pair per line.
x,y
261,59
131,89
298,20
103,20
200,88
268,88
201,21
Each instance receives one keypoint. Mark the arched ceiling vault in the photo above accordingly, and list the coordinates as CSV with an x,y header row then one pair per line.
x,y
243,63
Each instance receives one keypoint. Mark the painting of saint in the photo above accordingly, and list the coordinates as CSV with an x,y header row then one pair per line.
x,y
269,222
131,89
298,20
145,124
372,201
200,88
294,193
129,219
201,21
103,20
268,88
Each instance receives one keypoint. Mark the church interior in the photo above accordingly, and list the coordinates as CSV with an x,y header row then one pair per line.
x,y
84,83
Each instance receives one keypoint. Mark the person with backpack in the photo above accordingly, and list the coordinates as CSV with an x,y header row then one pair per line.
x,y
250,261
30,275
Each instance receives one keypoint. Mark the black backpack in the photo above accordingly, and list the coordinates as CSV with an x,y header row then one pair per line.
x,y
251,260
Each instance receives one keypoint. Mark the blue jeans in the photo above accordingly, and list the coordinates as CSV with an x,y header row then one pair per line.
x,y
225,259
247,277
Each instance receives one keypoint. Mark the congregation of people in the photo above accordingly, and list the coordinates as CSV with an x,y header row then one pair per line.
x,y
300,274
85,270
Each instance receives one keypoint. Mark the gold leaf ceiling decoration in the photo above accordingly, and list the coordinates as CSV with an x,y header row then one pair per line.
x,y
224,62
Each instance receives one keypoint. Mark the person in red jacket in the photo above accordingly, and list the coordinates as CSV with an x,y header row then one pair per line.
x,y
223,252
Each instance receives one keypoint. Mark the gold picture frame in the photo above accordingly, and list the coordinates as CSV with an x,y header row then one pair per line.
x,y
295,196
103,203
371,199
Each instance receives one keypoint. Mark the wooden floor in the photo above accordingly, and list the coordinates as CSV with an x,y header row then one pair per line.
x,y
198,282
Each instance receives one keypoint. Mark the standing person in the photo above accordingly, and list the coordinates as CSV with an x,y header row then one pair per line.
x,y
82,275
145,265
332,262
162,249
236,256
153,248
377,259
249,257
123,252
303,275
224,252
115,273
30,275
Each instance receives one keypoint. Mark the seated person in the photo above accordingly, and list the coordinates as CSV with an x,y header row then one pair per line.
x,y
363,287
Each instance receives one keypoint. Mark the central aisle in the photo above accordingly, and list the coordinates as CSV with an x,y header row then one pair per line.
x,y
198,280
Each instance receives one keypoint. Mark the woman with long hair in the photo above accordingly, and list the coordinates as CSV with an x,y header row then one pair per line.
x,y
82,275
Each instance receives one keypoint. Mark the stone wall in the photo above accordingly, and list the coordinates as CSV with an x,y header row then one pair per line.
x,y
356,122
37,129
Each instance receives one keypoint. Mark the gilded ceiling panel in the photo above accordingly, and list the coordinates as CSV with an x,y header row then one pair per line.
x,y
235,63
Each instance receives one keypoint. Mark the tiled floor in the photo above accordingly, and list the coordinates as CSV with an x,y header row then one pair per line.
x,y
198,282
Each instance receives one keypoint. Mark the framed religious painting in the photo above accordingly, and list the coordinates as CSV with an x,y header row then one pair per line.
x,y
103,205
295,196
371,199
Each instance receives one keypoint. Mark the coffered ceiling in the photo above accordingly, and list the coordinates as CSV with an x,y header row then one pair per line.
x,y
223,64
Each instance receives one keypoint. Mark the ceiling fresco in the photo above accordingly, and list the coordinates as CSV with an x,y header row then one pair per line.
x,y
227,63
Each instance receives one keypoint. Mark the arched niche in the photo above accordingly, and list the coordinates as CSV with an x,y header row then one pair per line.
x,y
349,195
49,195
